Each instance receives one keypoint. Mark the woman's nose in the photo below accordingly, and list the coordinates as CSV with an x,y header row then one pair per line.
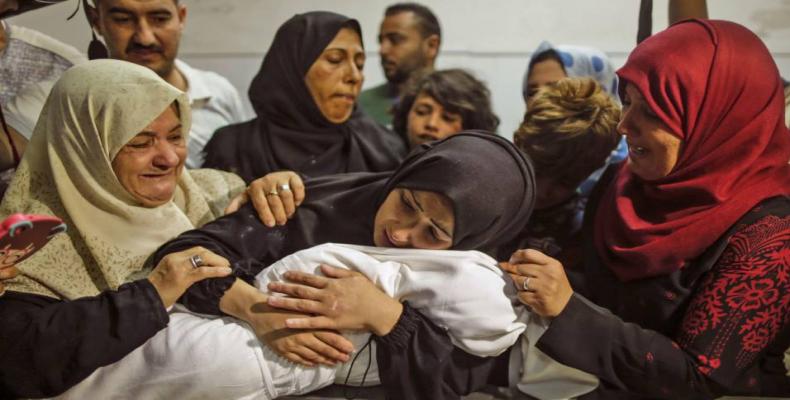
x,y
167,155
623,127
401,236
354,74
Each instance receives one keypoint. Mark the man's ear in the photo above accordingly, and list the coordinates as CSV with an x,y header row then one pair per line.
x,y
182,14
92,13
431,47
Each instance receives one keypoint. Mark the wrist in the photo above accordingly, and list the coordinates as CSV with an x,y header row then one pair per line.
x,y
167,298
387,318
242,301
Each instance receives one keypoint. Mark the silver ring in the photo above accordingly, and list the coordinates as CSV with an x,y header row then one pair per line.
x,y
196,261
525,285
284,187
273,192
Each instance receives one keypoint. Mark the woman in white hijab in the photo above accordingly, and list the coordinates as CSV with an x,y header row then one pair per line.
x,y
107,157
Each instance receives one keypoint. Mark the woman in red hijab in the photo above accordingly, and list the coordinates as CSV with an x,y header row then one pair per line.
x,y
690,237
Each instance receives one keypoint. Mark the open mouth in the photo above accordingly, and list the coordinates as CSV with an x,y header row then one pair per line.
x,y
157,176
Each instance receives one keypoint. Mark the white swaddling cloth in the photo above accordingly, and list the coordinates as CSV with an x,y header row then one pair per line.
x,y
463,292
207,358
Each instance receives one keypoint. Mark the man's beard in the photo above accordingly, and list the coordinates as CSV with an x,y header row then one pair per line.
x,y
405,70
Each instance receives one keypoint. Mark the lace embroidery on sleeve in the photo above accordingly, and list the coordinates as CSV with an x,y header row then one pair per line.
x,y
744,302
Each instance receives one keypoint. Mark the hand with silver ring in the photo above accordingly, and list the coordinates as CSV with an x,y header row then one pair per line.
x,y
541,281
275,197
176,272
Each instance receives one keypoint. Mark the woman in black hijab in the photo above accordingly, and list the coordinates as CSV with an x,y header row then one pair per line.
x,y
489,185
305,99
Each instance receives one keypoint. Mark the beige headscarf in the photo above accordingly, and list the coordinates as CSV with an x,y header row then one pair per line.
x,y
91,113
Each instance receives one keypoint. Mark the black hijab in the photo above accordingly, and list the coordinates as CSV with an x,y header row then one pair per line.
x,y
490,183
290,132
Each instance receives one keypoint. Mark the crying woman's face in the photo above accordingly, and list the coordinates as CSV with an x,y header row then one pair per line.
x,y
415,219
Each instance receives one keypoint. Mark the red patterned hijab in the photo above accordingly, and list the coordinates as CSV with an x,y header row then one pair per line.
x,y
715,85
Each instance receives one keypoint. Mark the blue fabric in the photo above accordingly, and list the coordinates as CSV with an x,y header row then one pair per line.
x,y
580,62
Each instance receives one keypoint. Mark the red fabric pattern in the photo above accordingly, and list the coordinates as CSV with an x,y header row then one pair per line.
x,y
716,86
744,302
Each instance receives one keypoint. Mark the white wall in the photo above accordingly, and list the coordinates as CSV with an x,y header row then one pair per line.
x,y
491,38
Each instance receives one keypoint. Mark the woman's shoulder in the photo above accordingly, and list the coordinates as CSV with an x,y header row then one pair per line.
x,y
226,143
752,237
774,211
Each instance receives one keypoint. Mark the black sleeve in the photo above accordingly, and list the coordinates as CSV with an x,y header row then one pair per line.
x,y
416,360
248,244
736,314
48,346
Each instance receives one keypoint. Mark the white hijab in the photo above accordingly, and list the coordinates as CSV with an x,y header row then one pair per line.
x,y
91,113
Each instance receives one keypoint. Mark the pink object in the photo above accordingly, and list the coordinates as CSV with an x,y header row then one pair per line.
x,y
22,234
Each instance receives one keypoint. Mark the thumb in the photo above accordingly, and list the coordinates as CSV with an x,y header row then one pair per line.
x,y
210,272
335,272
236,203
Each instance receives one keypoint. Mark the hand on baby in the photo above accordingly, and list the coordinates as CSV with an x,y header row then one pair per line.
x,y
547,289
304,347
341,300
275,197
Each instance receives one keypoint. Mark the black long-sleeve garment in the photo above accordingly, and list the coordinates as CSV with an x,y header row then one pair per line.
x,y
48,345
411,358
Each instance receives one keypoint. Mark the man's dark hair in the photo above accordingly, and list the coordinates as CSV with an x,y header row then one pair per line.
x,y
426,20
457,91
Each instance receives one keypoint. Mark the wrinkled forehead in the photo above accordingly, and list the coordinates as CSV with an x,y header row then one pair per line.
x,y
137,6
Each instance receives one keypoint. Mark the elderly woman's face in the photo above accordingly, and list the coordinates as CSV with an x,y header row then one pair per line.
x,y
149,165
335,78
414,219
653,150
429,121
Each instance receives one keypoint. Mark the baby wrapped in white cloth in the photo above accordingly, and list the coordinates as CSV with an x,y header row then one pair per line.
x,y
202,357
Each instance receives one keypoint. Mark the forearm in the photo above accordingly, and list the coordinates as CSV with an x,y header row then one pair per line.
x,y
241,239
47,346
244,301
623,355
417,360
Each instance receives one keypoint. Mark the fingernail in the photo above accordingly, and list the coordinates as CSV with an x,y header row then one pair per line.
x,y
225,270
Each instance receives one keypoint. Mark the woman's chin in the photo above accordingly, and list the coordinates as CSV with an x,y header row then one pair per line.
x,y
339,116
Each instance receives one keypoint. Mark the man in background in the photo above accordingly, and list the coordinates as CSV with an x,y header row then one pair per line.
x,y
148,33
409,40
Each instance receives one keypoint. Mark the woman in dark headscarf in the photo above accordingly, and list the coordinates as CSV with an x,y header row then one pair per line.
x,y
487,182
688,240
305,99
